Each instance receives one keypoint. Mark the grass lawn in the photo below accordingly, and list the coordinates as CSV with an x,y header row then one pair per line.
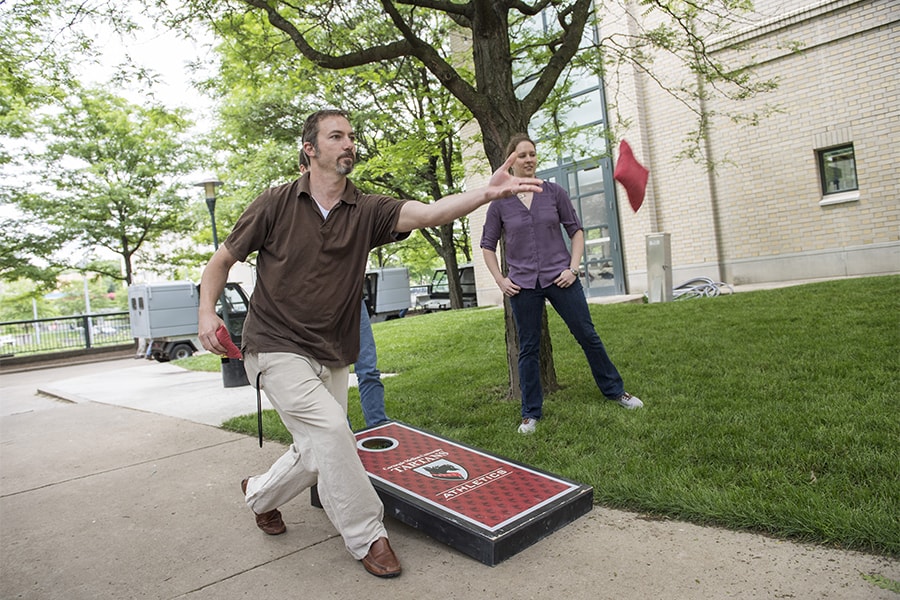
x,y
773,411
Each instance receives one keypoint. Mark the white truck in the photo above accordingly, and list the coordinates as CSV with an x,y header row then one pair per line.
x,y
166,314
438,297
386,293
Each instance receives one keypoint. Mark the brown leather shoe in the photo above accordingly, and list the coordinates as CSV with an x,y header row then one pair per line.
x,y
270,522
381,560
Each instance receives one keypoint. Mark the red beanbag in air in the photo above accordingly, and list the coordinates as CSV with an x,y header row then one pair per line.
x,y
632,175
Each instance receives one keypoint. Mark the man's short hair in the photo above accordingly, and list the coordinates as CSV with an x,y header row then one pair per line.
x,y
311,127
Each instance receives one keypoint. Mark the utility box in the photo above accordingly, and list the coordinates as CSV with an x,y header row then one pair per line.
x,y
160,310
659,267
386,293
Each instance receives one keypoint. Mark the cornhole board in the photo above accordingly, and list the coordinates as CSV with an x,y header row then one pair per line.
x,y
483,505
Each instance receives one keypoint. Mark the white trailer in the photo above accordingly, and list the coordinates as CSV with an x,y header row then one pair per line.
x,y
166,314
386,293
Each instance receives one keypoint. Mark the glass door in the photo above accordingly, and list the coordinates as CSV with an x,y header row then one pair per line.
x,y
591,191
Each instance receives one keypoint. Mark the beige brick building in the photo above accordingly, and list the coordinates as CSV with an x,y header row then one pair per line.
x,y
777,207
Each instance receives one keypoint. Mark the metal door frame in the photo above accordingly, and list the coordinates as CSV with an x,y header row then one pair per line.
x,y
560,174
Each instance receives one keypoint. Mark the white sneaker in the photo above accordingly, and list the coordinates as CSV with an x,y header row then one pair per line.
x,y
629,401
528,426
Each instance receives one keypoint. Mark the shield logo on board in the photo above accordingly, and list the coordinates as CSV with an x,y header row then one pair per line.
x,y
443,469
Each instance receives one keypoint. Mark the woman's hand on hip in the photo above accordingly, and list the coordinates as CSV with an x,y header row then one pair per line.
x,y
508,287
566,279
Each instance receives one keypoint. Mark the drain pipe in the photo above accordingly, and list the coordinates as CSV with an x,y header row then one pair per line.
x,y
712,182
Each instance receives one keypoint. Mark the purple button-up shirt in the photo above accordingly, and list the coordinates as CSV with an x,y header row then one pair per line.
x,y
535,250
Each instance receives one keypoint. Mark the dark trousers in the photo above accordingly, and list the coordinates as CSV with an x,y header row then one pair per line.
x,y
572,307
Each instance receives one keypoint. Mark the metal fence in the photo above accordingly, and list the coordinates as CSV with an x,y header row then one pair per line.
x,y
22,338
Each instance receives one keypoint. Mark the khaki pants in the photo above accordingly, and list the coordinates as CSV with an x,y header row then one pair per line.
x,y
312,402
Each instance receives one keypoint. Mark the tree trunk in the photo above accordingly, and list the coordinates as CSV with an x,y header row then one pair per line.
x,y
549,381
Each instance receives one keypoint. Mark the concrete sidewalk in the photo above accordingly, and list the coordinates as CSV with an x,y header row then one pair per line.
x,y
161,388
123,487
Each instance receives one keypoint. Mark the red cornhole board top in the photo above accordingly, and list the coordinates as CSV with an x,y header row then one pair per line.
x,y
484,490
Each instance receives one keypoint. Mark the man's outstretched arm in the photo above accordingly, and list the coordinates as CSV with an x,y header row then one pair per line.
x,y
415,215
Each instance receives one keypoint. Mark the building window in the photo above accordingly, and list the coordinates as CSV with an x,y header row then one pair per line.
x,y
837,167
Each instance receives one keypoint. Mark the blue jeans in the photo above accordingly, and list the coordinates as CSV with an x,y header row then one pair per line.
x,y
572,306
371,390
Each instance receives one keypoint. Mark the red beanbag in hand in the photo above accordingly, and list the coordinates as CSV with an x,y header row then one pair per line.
x,y
224,338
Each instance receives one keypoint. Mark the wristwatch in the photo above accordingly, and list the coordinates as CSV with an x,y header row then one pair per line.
x,y
574,272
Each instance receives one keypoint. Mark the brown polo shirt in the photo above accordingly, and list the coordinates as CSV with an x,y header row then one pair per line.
x,y
309,269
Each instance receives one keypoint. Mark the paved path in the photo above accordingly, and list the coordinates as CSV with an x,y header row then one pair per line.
x,y
120,485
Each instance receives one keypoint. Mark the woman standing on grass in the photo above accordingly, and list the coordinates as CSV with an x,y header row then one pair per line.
x,y
540,269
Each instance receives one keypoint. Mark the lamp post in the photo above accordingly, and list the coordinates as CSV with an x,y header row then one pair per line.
x,y
88,322
209,185
233,374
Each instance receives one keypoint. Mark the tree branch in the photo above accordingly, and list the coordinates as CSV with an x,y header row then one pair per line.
x,y
451,8
434,62
371,55
529,9
571,41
